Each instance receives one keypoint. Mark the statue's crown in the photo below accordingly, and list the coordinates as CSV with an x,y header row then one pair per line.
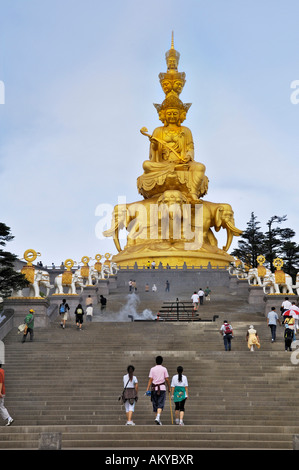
x,y
172,57
172,83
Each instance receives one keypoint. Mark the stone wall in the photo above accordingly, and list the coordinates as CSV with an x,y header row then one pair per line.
x,y
189,279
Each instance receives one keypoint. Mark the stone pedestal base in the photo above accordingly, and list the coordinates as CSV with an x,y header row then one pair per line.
x,y
233,282
21,307
242,285
112,282
103,287
256,295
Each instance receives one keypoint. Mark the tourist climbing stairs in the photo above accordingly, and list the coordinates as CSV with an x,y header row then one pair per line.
x,y
68,381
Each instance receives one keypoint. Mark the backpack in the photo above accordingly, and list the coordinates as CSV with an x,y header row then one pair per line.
x,y
289,333
62,308
227,329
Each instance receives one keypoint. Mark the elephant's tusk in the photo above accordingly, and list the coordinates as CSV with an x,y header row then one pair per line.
x,y
235,231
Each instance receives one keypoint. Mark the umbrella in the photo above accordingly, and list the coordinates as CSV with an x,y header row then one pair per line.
x,y
294,310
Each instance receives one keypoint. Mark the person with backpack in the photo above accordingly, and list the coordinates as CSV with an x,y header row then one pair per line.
x,y
79,312
179,394
288,337
63,312
29,322
207,293
226,331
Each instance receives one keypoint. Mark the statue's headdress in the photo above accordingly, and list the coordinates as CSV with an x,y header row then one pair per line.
x,y
172,83
172,57
172,80
172,101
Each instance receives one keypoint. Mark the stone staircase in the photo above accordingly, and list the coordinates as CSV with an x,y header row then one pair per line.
x,y
68,381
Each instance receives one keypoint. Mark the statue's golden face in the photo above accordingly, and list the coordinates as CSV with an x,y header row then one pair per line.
x,y
166,86
178,86
171,63
172,116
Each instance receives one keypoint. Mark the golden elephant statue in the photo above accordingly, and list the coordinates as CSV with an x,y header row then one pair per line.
x,y
163,220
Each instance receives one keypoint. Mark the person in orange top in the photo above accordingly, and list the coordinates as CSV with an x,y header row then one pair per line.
x,y
3,411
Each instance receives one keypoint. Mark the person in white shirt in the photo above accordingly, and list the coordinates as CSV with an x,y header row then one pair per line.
x,y
195,300
295,315
286,305
201,295
89,312
226,331
130,381
179,393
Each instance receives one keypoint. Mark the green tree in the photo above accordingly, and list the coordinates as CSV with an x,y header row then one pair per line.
x,y
9,279
273,239
251,243
289,252
276,242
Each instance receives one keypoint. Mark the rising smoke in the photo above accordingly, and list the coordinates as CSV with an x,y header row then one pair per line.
x,y
127,311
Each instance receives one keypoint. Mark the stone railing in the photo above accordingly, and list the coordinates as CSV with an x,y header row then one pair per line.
x,y
159,266
6,322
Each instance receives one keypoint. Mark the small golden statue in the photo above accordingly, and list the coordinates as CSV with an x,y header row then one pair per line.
x,y
172,224
280,277
28,270
98,264
261,270
67,276
84,270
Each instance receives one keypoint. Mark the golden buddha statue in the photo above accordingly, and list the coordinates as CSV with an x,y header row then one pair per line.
x,y
172,224
171,162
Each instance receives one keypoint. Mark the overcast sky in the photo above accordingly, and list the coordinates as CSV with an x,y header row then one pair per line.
x,y
80,79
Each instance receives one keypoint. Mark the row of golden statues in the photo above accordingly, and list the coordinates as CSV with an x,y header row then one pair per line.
x,y
70,279
272,282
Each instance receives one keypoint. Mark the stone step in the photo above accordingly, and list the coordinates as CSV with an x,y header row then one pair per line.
x,y
193,437
237,399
